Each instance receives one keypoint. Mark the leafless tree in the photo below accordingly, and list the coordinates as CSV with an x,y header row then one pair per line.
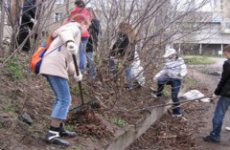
x,y
157,22
2,22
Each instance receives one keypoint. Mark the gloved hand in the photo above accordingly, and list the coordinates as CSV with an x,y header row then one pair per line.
x,y
79,77
71,47
158,75
183,73
214,96
33,20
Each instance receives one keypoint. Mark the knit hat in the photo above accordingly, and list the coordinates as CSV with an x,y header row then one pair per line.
x,y
169,52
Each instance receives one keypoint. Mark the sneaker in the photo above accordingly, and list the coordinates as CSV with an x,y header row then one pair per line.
x,y
177,115
66,133
156,95
53,137
227,128
211,139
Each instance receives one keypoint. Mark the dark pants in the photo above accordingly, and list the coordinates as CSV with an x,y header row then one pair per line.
x,y
22,35
175,84
112,66
91,65
217,121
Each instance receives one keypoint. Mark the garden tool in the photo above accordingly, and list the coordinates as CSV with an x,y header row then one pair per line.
x,y
84,106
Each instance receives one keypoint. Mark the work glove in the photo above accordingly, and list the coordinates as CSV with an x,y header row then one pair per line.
x,y
34,21
79,77
71,47
183,73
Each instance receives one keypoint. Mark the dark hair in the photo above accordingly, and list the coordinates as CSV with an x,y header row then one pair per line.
x,y
80,3
227,48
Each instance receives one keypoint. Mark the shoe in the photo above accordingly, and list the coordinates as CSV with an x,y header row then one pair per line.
x,y
227,128
66,133
53,137
177,115
211,139
156,95
176,112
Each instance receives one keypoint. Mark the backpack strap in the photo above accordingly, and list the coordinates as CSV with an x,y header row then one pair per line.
x,y
49,40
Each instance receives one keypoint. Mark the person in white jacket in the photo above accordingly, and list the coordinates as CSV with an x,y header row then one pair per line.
x,y
134,73
57,65
172,74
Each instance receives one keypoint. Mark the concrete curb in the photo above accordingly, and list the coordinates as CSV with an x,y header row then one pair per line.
x,y
126,138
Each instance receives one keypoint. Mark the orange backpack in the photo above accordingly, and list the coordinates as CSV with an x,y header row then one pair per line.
x,y
36,59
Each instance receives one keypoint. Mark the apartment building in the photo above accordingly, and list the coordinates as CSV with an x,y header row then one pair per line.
x,y
53,14
59,14
214,33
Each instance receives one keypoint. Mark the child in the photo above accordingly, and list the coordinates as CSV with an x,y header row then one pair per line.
x,y
134,73
223,89
172,74
57,65
125,48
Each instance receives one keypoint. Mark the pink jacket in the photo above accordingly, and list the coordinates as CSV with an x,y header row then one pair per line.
x,y
57,61
85,12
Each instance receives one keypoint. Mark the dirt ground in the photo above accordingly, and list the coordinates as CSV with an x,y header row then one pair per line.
x,y
186,133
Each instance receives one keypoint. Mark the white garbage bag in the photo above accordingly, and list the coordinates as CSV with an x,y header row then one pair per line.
x,y
137,70
195,94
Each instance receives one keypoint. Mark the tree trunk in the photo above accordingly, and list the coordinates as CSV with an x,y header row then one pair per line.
x,y
14,18
2,22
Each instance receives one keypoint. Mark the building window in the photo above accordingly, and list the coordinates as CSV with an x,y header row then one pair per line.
x,y
57,17
227,25
59,1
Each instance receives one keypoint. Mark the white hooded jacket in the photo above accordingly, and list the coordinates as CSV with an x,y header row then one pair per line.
x,y
175,69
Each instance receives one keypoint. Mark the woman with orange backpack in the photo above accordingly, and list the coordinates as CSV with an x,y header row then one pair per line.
x,y
57,64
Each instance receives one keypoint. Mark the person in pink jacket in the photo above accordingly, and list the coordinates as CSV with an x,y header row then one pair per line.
x,y
57,65
80,9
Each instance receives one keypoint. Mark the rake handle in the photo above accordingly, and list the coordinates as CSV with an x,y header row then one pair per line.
x,y
79,82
